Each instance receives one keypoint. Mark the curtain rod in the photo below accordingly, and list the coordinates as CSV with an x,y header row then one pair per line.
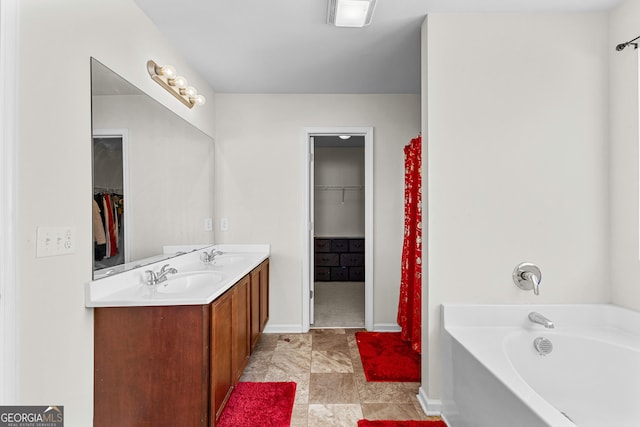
x,y
621,46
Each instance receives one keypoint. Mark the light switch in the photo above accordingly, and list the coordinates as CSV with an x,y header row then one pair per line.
x,y
52,241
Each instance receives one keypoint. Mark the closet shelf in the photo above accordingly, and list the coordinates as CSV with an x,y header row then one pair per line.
x,y
338,187
98,189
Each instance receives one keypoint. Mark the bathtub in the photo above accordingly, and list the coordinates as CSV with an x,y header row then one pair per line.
x,y
493,375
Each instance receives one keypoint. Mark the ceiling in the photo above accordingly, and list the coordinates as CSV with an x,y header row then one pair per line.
x,y
286,46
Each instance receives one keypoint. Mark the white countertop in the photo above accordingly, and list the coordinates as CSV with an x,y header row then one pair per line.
x,y
206,281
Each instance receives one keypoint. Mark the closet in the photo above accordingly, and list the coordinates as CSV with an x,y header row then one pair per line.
x,y
339,225
108,202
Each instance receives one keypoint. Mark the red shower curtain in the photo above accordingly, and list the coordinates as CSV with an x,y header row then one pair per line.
x,y
409,307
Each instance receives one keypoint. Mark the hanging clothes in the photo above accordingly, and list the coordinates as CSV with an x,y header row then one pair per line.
x,y
110,208
100,242
110,225
410,304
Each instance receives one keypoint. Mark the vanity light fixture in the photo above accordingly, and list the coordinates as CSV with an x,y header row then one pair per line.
x,y
350,13
167,77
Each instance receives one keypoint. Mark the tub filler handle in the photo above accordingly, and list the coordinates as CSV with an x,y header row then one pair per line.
x,y
527,276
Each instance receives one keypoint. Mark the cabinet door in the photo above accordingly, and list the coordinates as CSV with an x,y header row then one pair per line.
x,y
222,375
151,366
264,294
241,332
255,306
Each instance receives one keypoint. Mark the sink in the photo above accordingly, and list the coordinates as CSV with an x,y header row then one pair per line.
x,y
181,283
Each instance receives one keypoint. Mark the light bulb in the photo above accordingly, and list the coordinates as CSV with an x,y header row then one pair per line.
x,y
168,71
190,92
200,100
178,82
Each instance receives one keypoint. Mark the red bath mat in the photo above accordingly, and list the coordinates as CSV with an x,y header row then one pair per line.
x,y
431,423
259,404
385,357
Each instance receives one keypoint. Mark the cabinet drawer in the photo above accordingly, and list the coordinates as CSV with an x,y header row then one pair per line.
x,y
323,274
352,260
356,245
339,274
356,274
323,245
327,260
339,245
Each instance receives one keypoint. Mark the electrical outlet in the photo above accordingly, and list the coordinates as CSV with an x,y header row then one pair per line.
x,y
224,224
53,241
208,224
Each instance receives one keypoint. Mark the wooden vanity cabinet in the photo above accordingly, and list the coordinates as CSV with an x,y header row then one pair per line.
x,y
264,294
222,375
173,365
241,322
259,301
233,341
151,364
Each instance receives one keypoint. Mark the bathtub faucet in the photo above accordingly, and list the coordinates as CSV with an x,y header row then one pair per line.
x,y
530,276
527,276
541,320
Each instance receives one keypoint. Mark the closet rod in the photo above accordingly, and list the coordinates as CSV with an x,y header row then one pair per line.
x,y
621,46
107,190
339,187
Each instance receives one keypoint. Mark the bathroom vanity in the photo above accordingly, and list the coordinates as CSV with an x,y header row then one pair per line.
x,y
172,357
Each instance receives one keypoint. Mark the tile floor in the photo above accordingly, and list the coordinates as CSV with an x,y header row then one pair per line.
x,y
331,387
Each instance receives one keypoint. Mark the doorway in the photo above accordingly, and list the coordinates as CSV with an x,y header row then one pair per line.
x,y
110,187
338,231
338,282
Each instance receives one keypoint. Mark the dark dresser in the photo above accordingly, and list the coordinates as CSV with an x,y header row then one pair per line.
x,y
339,259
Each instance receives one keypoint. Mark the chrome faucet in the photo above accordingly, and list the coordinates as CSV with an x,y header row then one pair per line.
x,y
210,256
534,279
527,276
541,320
161,276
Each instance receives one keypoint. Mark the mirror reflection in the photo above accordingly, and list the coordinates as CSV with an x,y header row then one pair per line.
x,y
152,177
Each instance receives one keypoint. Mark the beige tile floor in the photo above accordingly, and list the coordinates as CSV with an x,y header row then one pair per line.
x,y
331,387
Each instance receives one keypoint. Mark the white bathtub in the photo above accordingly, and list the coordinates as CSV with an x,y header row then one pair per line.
x,y
493,376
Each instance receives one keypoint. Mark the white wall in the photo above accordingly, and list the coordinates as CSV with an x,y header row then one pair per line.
x,y
517,136
57,38
260,183
623,162
337,214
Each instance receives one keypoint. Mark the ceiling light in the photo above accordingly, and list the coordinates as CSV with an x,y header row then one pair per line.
x,y
176,85
178,82
350,13
167,71
344,136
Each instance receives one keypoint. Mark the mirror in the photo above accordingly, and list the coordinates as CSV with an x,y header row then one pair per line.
x,y
152,177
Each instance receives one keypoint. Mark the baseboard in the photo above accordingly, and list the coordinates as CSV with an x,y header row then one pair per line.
x,y
431,407
297,329
386,327
283,329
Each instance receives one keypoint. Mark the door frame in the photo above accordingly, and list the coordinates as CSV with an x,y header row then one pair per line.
x,y
126,182
9,342
308,227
